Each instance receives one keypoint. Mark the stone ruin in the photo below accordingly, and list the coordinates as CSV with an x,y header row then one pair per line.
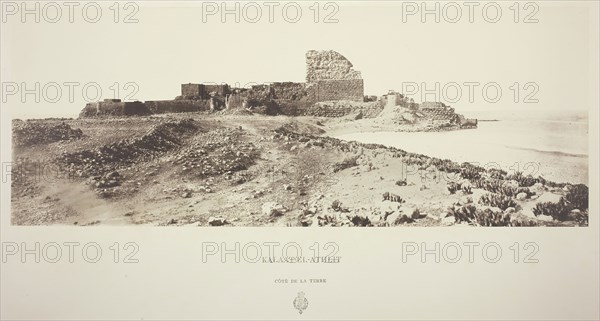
x,y
333,77
437,114
330,77
332,89
328,65
114,107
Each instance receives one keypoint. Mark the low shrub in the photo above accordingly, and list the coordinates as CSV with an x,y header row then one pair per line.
x,y
466,188
488,217
452,187
361,221
578,196
464,213
387,196
336,205
489,184
497,173
512,191
401,182
559,211
522,179
497,200
403,219
470,172
523,223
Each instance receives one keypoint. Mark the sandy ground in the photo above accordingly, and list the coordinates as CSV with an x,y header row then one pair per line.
x,y
295,180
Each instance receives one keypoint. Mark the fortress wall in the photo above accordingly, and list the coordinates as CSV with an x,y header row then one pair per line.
x,y
114,108
352,89
177,106
331,109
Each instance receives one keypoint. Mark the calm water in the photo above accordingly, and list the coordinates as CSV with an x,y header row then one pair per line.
x,y
554,149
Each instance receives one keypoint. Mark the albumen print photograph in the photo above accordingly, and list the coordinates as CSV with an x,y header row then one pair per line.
x,y
299,160
225,130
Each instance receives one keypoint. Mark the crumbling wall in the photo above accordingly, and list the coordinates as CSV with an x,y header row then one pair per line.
x,y
432,104
438,111
328,64
293,108
331,108
202,91
292,91
220,90
236,100
114,107
333,76
352,89
177,106
191,91
344,108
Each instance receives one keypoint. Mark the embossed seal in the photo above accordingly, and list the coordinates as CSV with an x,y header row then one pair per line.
x,y
300,302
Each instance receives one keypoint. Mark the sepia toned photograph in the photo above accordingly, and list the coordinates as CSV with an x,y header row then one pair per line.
x,y
335,149
289,160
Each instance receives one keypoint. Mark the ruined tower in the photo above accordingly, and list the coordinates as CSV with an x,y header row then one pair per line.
x,y
333,77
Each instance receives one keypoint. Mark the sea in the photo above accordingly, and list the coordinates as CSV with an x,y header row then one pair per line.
x,y
553,145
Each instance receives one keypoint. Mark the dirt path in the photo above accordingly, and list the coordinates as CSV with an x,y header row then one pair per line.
x,y
88,208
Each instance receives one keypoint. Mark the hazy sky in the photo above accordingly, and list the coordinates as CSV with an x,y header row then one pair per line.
x,y
170,44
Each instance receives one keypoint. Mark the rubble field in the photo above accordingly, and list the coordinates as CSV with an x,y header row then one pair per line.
x,y
238,169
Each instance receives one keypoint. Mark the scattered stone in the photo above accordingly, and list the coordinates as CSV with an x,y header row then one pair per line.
x,y
186,195
388,207
546,218
392,217
409,117
448,220
113,174
273,209
28,133
537,187
216,221
521,196
307,221
510,210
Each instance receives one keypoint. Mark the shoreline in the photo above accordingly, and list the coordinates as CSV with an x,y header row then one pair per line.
x,y
347,126
553,162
